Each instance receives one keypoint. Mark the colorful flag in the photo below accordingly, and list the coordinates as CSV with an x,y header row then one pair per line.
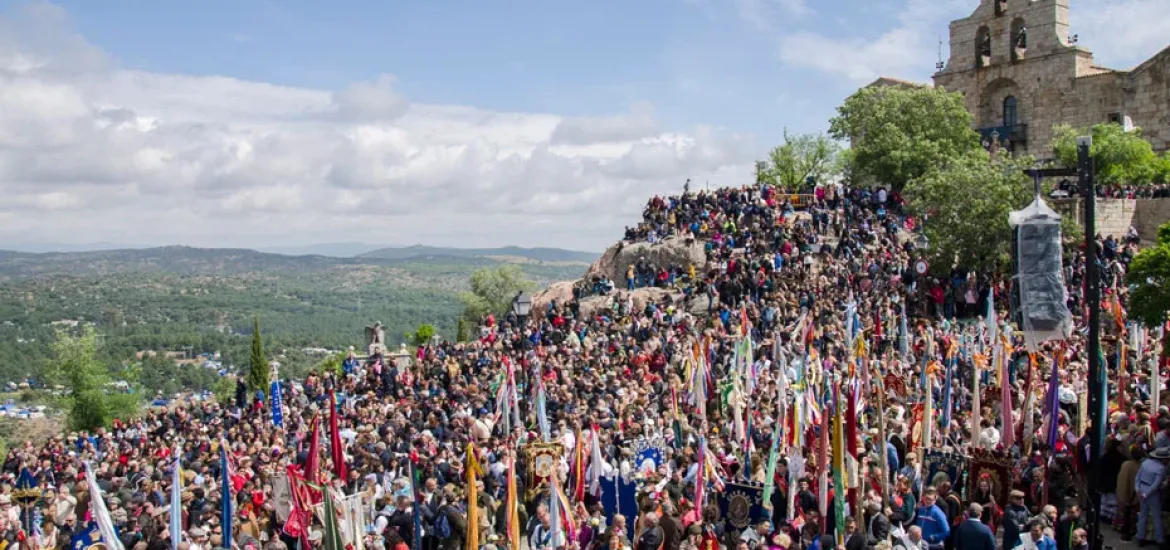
x,y
1052,400
277,405
512,506
416,492
578,469
1008,437
473,473
596,463
225,508
312,467
176,523
336,447
101,514
332,539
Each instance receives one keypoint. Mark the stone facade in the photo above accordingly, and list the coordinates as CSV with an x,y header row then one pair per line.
x,y
1021,76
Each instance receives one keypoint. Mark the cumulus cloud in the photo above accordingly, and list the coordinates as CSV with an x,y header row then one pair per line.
x,y
639,123
91,152
1120,32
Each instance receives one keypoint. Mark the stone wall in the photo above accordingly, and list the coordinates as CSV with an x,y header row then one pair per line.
x,y
1115,216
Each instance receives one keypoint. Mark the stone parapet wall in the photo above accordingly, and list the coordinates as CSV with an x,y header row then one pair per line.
x,y
1115,216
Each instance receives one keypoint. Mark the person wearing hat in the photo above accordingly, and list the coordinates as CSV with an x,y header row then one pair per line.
x,y
1015,518
1150,479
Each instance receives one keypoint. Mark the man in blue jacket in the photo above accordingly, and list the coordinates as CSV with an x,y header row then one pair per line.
x,y
972,534
932,520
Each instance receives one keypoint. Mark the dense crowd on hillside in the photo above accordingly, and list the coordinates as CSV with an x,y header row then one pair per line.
x,y
809,359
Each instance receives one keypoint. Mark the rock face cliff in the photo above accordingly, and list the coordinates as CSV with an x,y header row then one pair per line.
x,y
672,251
614,263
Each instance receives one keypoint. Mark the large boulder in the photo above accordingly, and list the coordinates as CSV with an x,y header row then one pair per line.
x,y
671,251
561,291
642,296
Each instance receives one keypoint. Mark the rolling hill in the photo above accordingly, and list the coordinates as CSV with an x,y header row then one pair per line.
x,y
506,253
201,299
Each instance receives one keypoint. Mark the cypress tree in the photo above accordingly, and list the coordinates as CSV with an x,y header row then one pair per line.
x,y
258,371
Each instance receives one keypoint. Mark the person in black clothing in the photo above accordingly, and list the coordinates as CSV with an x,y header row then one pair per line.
x,y
652,537
854,540
1069,522
1015,518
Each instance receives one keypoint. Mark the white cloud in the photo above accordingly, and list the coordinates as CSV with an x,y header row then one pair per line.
x,y
1120,32
639,123
89,151
908,49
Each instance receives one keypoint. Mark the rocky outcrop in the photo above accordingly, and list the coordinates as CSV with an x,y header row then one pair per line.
x,y
561,292
642,296
672,251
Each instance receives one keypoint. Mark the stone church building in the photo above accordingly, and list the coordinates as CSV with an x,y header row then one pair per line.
x,y
1022,74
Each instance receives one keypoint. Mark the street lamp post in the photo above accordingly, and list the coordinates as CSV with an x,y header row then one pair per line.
x,y
521,306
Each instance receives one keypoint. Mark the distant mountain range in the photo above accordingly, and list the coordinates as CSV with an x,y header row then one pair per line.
x,y
559,255
335,250
185,260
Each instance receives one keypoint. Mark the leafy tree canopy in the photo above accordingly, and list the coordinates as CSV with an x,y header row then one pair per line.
x,y
93,400
1119,157
801,157
1149,274
492,290
900,134
968,201
421,336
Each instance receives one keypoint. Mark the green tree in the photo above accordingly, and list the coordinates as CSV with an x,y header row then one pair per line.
x,y
331,362
421,336
800,157
1162,168
968,202
1119,157
900,134
92,400
258,366
492,290
1149,276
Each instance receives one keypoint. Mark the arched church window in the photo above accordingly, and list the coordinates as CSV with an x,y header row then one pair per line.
x,y
1019,39
1000,7
983,47
1010,115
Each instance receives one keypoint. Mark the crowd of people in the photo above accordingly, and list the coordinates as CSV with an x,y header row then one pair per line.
x,y
809,357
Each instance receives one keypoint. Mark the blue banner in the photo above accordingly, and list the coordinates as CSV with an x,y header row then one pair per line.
x,y
619,495
648,454
741,505
277,410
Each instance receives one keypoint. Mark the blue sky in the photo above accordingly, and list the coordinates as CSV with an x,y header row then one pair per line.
x,y
445,122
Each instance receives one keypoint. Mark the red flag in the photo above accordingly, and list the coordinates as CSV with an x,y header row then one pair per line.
x,y
311,470
579,469
336,450
851,440
299,517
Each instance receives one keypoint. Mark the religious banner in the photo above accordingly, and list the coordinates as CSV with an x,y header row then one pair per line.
x,y
942,466
648,454
895,386
741,505
619,495
542,458
993,467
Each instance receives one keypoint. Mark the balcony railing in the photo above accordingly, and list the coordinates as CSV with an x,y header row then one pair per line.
x,y
1017,133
